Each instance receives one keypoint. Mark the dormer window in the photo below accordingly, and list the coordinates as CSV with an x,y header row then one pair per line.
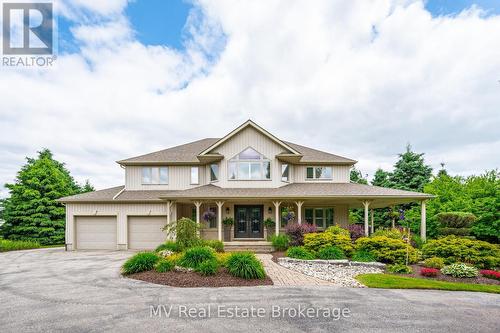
x,y
155,175
249,165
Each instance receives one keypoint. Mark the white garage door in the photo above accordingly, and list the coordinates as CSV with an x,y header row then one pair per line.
x,y
144,232
96,232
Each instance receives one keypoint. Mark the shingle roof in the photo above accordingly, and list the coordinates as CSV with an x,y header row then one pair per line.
x,y
187,153
296,190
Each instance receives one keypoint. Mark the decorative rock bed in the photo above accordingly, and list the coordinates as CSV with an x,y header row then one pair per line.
x,y
341,272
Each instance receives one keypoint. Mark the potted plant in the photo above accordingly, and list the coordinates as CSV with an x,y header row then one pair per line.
x,y
269,224
208,216
228,223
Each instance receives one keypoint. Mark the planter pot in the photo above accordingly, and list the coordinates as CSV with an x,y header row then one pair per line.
x,y
227,233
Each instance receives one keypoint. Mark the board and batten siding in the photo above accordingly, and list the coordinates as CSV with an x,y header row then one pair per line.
x,y
340,174
250,137
179,178
121,210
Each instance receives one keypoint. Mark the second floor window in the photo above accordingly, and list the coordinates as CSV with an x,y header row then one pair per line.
x,y
155,175
321,172
214,172
195,179
249,165
285,172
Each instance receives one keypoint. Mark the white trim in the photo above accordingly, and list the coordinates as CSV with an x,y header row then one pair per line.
x,y
118,194
243,126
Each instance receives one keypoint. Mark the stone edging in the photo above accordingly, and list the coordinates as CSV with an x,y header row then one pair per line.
x,y
344,262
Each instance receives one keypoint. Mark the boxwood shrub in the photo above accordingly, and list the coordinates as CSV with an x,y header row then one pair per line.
x,y
388,250
140,262
245,265
459,249
331,253
194,256
299,252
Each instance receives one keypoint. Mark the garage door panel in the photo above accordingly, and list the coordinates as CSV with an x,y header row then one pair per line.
x,y
145,232
96,233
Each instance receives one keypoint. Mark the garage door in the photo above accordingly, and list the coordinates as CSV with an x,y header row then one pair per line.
x,y
96,233
144,232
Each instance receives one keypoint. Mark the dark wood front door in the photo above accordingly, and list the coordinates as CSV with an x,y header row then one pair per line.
x,y
248,221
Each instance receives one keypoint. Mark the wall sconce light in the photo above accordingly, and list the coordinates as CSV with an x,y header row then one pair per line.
x,y
227,210
270,210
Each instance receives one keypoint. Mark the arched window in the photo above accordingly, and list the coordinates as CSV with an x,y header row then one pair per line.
x,y
249,165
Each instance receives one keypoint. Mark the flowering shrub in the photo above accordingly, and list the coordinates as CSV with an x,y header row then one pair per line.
x,y
460,270
297,231
490,274
429,272
356,231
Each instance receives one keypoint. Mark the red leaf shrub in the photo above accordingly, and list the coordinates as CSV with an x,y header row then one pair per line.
x,y
356,231
429,272
490,274
296,232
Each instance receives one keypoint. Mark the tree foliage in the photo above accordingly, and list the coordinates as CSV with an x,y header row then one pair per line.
x,y
31,212
410,172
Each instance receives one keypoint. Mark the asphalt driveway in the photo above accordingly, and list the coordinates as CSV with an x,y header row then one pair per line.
x,y
52,290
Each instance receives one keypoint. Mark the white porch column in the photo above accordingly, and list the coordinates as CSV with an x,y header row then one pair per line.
x,y
366,204
372,220
277,216
423,222
219,218
299,211
169,205
198,205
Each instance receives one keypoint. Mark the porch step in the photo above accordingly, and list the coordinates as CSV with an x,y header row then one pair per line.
x,y
254,246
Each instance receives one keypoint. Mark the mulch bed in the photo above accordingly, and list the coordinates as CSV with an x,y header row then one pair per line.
x,y
196,280
442,277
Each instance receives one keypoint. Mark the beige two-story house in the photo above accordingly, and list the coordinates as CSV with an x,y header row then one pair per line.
x,y
249,175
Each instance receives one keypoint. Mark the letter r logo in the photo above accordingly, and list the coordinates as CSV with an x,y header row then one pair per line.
x,y
32,28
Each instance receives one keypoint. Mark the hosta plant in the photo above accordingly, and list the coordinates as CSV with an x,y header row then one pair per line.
x,y
460,270
399,269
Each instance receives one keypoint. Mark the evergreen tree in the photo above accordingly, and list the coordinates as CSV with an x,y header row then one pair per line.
x,y
381,178
87,187
410,172
357,177
31,212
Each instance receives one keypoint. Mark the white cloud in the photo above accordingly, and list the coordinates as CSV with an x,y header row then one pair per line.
x,y
356,79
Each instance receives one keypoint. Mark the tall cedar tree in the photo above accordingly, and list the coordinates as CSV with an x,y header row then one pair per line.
x,y
31,212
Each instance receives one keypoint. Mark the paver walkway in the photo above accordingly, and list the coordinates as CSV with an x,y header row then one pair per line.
x,y
282,276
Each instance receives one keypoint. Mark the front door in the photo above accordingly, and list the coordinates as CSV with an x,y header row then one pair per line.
x,y
248,221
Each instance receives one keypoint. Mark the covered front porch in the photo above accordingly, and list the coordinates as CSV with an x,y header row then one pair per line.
x,y
250,214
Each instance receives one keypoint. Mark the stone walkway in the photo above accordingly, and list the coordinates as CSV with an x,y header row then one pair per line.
x,y
282,276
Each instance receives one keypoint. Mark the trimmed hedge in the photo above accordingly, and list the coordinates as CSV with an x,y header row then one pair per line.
x,y
458,249
388,250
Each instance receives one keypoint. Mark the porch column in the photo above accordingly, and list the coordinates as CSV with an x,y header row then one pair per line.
x,y
366,204
169,204
277,216
198,205
219,218
299,211
423,222
372,220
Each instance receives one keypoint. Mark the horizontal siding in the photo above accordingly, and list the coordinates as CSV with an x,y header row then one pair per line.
x,y
179,178
341,174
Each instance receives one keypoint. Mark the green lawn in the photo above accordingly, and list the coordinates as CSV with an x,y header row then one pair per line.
x,y
390,281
